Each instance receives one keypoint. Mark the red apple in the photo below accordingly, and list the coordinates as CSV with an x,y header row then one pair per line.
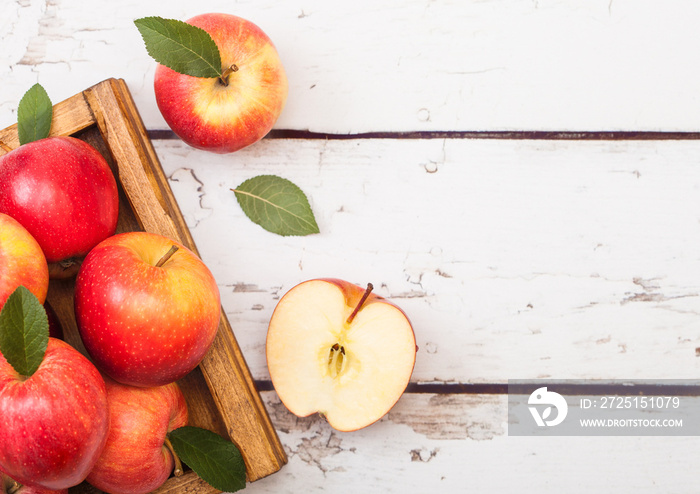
x,y
63,192
54,423
235,110
146,319
22,262
136,459
9,486
340,350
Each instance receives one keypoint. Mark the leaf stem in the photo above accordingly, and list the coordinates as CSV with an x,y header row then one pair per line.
x,y
167,256
177,471
226,74
360,303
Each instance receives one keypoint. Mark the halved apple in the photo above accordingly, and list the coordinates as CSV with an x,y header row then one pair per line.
x,y
339,350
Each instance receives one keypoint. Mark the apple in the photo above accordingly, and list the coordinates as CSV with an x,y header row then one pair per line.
x,y
9,486
338,349
63,192
137,457
227,113
22,262
147,308
54,423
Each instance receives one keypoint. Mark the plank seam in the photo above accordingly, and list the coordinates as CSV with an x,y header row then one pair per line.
x,y
159,134
576,389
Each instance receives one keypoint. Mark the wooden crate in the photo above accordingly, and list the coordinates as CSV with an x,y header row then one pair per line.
x,y
221,395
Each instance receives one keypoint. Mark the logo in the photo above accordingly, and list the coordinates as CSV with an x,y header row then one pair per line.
x,y
543,397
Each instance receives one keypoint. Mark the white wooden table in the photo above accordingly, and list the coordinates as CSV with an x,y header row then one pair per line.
x,y
521,177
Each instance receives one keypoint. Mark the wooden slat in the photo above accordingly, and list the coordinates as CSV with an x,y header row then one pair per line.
x,y
69,117
224,367
189,483
414,65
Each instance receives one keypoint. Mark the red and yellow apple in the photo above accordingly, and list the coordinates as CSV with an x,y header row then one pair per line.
x,y
230,112
22,262
54,423
147,308
340,350
63,192
136,458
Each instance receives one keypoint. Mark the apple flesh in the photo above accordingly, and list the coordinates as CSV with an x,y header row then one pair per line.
x,y
337,349
22,262
63,192
235,110
145,318
54,423
136,459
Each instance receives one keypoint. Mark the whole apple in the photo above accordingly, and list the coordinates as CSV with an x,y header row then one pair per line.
x,y
55,422
63,192
340,350
22,262
235,110
146,315
9,486
136,458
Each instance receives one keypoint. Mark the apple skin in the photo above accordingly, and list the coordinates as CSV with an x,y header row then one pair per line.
x,y
145,325
209,115
63,192
54,423
135,459
8,485
22,261
305,389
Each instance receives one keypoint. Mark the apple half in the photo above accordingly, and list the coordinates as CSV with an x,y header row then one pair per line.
x,y
338,349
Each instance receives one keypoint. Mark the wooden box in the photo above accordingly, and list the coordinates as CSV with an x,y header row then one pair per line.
x,y
221,394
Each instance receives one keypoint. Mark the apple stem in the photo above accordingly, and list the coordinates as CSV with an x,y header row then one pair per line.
x,y
177,471
227,73
167,256
5,147
362,301
65,269
14,487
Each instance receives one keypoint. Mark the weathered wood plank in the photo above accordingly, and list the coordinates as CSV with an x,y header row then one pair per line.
x,y
419,65
514,259
460,443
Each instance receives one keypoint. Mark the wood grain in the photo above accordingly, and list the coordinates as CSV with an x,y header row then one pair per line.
x,y
69,117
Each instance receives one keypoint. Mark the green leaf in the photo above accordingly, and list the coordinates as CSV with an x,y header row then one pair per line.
x,y
24,331
277,205
216,460
185,48
34,115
